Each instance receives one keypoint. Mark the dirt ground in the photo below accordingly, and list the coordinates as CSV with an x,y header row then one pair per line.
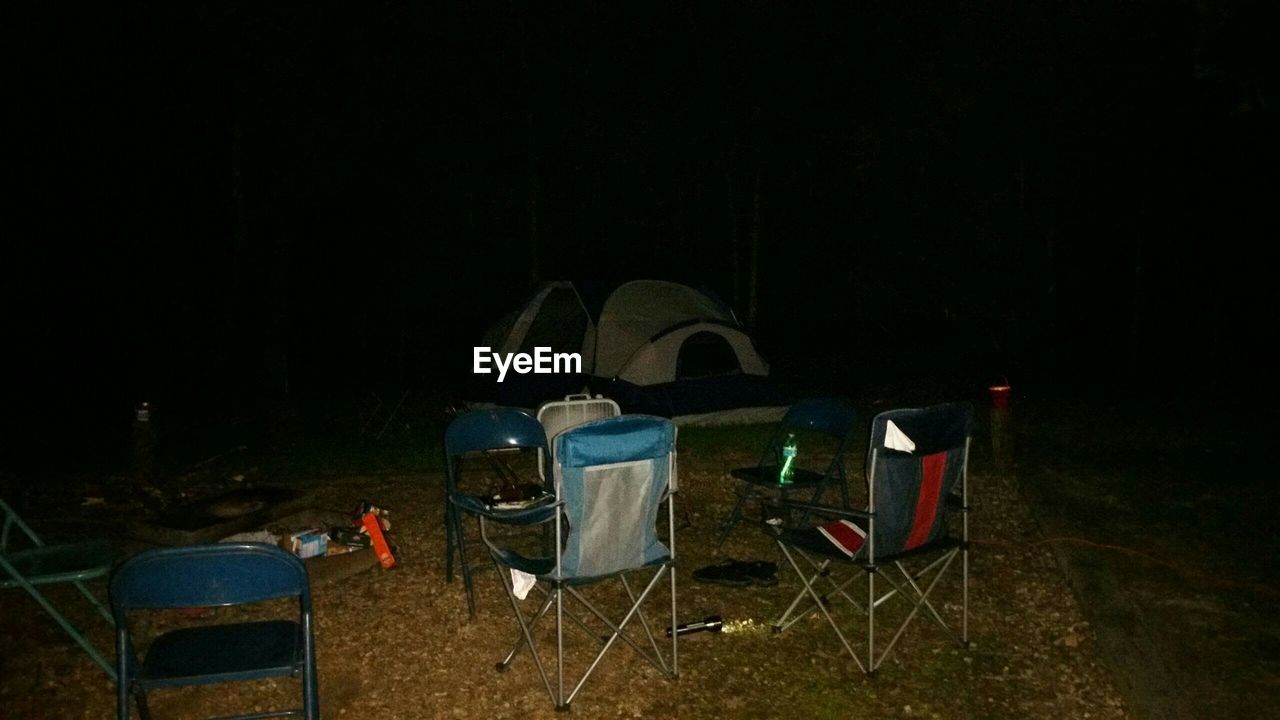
x,y
398,644
1163,526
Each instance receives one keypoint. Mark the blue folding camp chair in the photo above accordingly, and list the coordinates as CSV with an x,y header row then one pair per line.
x,y
206,576
916,479
611,476
813,417
38,565
487,432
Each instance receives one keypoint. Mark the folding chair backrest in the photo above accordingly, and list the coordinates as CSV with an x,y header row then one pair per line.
x,y
825,415
207,576
828,416
494,429
909,488
560,415
612,475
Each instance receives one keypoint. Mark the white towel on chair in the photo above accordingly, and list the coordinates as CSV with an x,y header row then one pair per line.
x,y
522,583
895,439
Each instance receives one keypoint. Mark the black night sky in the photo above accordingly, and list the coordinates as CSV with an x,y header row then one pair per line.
x,y
244,209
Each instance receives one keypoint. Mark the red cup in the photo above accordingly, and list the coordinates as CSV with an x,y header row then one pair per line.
x,y
1000,395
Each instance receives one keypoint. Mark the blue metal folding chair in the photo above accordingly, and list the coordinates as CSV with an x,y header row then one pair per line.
x,y
222,574
39,564
485,432
811,417
611,477
917,481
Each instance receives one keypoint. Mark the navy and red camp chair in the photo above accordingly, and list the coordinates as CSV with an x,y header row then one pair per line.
x,y
917,489
822,418
611,477
218,575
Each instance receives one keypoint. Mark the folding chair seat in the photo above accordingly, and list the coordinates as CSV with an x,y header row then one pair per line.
x,y
916,481
222,574
38,565
611,477
486,432
559,415
809,418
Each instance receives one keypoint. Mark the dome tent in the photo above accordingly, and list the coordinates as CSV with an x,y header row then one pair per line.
x,y
654,346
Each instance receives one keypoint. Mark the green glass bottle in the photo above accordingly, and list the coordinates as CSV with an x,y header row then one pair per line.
x,y
788,469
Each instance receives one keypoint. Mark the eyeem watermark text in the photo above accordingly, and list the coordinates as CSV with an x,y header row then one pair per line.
x,y
541,362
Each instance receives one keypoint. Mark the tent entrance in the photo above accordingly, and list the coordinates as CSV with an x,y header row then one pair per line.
x,y
706,354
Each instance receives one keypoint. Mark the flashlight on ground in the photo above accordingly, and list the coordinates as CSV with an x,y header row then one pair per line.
x,y
711,623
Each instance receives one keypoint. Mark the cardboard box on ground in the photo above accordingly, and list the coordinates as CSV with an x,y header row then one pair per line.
x,y
305,534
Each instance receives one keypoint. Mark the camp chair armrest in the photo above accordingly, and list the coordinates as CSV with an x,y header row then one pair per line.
x,y
534,515
825,510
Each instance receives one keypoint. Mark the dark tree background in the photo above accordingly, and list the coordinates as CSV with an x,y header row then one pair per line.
x,y
234,208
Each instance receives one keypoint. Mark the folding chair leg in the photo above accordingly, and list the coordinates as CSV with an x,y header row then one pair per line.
x,y
675,636
466,566
561,703
455,541
533,621
813,594
505,663
791,617
619,631
310,682
871,620
643,621
449,530
735,516
964,587
65,624
144,710
102,609
122,698
525,633
922,600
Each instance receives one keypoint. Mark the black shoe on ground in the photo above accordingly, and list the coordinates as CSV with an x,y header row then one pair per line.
x,y
760,572
727,572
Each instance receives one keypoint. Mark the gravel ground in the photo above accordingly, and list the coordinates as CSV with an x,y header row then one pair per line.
x,y
398,644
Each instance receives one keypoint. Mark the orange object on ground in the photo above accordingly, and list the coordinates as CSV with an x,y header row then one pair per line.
x,y
374,528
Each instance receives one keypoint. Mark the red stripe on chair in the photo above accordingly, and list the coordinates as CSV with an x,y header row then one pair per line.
x,y
846,536
931,469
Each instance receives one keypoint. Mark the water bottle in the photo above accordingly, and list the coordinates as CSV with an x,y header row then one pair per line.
x,y
711,623
788,469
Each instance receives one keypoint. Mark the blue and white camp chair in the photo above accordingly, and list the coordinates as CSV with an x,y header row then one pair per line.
x,y
611,477
916,480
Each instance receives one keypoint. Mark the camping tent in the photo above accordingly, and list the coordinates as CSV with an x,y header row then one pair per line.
x,y
654,346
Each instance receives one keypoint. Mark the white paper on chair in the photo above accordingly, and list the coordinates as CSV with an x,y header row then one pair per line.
x,y
522,583
895,439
